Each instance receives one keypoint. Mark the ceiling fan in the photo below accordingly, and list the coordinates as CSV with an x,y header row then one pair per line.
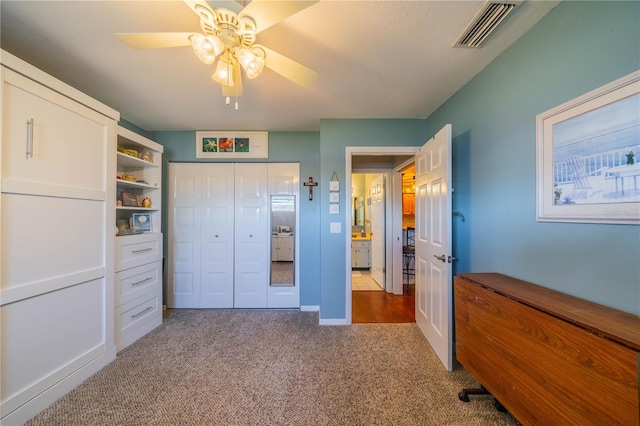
x,y
229,38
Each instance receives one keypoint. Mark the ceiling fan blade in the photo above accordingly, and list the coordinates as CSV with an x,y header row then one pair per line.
x,y
268,12
202,9
288,68
154,40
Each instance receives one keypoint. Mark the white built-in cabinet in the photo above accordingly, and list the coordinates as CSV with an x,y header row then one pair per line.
x,y
138,256
360,254
220,234
57,227
282,248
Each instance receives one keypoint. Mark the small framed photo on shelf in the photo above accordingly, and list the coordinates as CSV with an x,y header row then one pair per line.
x,y
142,222
129,199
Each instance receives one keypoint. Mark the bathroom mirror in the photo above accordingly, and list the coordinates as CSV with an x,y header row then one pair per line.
x,y
283,224
358,211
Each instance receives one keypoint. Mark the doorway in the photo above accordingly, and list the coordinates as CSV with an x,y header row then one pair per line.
x,y
388,162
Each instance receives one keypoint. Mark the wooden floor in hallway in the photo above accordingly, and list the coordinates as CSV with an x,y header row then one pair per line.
x,y
383,307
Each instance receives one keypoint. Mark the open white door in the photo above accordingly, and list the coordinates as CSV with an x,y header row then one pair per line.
x,y
377,230
434,291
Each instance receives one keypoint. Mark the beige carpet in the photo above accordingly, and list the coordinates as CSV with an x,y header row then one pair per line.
x,y
252,367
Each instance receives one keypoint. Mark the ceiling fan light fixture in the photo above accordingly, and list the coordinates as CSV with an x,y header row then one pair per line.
x,y
224,72
252,63
206,48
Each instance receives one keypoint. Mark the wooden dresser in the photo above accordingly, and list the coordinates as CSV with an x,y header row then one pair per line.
x,y
547,357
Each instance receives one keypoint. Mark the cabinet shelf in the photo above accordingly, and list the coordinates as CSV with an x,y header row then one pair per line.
x,y
129,161
131,184
149,209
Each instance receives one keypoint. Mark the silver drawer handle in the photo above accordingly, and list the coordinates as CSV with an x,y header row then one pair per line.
x,y
142,250
29,150
141,282
140,313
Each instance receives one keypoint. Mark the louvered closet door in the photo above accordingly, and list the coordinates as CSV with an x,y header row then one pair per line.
x,y
251,236
184,245
216,270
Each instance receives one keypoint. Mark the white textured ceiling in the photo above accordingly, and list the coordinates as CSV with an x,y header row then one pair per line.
x,y
375,59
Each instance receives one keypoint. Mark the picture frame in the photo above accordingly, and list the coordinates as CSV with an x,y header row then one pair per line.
x,y
230,144
587,152
142,222
129,199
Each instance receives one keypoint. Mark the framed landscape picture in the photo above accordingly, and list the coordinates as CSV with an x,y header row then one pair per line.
x,y
587,157
228,144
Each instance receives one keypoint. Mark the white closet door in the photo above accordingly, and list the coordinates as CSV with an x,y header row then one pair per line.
x,y
184,235
252,234
216,271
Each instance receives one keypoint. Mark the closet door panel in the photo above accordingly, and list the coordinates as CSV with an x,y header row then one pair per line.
x,y
184,235
217,235
251,236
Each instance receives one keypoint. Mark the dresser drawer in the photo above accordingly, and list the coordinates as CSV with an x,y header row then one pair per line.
x,y
136,250
137,314
135,282
360,244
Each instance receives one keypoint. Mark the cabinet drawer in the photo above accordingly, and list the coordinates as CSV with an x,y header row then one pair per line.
x,y
136,250
137,281
360,244
137,313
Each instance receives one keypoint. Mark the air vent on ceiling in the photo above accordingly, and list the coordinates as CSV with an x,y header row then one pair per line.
x,y
485,22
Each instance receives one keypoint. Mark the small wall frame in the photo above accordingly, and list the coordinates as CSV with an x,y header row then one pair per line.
x,y
232,144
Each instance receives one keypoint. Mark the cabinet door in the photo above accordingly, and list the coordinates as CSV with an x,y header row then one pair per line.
x,y
62,151
286,249
354,255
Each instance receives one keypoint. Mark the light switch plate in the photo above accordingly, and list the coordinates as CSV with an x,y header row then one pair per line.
x,y
335,227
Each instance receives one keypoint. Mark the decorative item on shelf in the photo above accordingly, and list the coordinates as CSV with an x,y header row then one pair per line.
x,y
147,156
126,177
129,199
122,226
142,222
129,152
146,202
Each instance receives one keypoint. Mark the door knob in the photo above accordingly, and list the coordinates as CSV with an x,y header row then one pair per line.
x,y
442,258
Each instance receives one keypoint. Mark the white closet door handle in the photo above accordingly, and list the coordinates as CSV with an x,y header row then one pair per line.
x,y
29,149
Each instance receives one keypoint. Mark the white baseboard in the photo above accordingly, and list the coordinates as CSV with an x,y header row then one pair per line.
x,y
310,308
30,409
334,321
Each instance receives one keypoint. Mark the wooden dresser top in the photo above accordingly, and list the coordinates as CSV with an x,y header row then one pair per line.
x,y
613,324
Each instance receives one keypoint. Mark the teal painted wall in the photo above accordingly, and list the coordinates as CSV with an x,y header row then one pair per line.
x,y
299,147
335,136
577,47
